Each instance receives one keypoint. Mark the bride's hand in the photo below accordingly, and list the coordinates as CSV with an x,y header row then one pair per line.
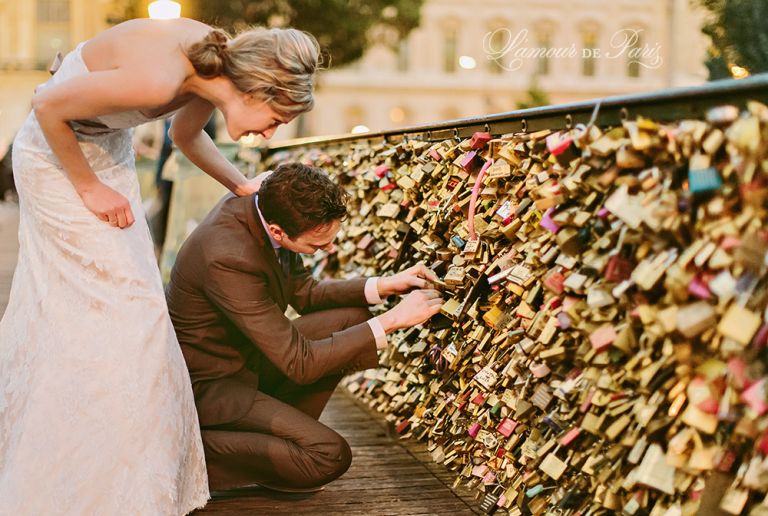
x,y
252,185
107,204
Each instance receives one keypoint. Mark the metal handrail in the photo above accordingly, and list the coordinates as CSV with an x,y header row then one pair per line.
x,y
661,105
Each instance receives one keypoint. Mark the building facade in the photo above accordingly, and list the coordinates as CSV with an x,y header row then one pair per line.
x,y
31,32
466,59
474,58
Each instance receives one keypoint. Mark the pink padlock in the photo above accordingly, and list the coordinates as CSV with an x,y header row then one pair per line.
x,y
489,477
539,370
474,429
587,401
479,140
569,436
763,443
729,242
479,399
569,301
761,337
507,426
557,143
468,163
480,470
697,287
602,337
754,396
709,406
738,370
547,222
554,282
563,321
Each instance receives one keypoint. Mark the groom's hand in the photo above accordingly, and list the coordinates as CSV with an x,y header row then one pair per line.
x,y
417,277
417,307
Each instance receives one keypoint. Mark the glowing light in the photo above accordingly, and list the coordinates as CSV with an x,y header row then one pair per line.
x,y
360,129
739,72
467,62
164,10
397,114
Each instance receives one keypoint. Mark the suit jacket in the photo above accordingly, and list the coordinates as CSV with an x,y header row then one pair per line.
x,y
227,298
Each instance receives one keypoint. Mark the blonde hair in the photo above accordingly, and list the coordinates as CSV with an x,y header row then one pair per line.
x,y
276,65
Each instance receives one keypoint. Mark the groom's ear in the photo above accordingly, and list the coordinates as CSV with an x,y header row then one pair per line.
x,y
276,232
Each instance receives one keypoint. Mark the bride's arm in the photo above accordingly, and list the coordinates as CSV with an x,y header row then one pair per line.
x,y
187,133
85,97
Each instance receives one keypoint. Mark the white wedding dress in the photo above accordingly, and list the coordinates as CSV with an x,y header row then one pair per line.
x,y
97,415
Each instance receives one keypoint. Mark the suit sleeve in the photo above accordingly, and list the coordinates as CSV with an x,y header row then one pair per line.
x,y
309,295
244,299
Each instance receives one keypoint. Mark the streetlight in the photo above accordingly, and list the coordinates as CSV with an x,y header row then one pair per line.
x,y
467,62
164,10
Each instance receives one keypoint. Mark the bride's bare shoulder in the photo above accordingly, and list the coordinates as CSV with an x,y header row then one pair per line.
x,y
143,43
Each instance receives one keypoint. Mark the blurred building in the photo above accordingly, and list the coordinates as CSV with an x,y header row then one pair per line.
x,y
446,69
31,32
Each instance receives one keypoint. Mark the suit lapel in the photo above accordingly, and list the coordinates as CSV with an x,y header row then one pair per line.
x,y
277,280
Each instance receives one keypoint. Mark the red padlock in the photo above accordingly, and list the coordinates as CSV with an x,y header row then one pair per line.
x,y
479,140
618,269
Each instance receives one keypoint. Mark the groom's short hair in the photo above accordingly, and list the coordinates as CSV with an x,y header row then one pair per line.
x,y
299,198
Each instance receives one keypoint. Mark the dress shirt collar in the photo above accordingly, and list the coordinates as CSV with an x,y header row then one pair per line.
x,y
275,243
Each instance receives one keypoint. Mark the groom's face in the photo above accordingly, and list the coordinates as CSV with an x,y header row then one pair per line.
x,y
309,242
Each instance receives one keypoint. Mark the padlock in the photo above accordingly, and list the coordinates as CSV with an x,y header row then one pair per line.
x,y
627,288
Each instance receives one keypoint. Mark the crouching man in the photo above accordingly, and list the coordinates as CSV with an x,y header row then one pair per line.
x,y
261,380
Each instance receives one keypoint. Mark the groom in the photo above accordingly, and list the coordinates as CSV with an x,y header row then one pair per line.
x,y
260,379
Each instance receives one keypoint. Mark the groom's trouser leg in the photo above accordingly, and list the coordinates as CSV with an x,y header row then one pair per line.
x,y
279,441
274,444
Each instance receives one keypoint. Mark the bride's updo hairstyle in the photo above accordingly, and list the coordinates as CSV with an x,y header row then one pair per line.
x,y
275,65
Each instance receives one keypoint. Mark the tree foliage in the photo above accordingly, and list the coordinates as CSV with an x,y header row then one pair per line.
x,y
738,30
535,96
344,28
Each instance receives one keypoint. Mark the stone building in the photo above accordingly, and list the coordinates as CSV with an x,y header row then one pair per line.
x,y
466,59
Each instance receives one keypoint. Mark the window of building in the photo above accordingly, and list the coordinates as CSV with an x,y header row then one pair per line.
x,y
52,11
403,55
588,46
450,113
450,48
354,116
399,116
496,43
543,43
52,34
633,54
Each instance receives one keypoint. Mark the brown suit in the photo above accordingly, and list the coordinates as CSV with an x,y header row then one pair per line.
x,y
261,380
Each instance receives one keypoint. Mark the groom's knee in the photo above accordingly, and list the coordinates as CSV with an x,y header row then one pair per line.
x,y
331,459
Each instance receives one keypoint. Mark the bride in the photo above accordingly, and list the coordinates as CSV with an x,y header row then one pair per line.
x,y
96,407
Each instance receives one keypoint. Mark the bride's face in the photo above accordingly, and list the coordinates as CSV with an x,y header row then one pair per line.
x,y
245,114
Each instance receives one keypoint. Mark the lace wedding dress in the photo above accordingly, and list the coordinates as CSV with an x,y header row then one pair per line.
x,y
96,408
